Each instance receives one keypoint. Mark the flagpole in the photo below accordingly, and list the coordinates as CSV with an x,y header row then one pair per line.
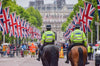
x,y
87,36
91,37
97,33
4,38
17,46
14,41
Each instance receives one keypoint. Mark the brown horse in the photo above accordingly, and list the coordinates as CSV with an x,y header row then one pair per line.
x,y
50,55
78,56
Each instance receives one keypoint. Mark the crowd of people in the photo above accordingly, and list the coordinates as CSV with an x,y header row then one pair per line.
x,y
90,50
22,50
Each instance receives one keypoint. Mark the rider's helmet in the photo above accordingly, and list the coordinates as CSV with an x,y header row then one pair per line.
x,y
77,26
48,27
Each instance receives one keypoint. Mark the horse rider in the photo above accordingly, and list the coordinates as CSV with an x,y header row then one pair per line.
x,y
77,38
48,38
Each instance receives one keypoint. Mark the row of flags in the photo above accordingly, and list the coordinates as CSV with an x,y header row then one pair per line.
x,y
98,5
83,18
15,26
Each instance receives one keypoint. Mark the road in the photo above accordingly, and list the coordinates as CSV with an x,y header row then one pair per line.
x,y
28,61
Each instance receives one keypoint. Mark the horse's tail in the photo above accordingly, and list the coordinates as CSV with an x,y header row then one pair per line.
x,y
54,56
80,62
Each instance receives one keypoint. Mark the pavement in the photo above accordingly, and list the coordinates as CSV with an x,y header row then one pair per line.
x,y
28,61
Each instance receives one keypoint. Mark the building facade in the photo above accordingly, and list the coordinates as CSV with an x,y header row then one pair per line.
x,y
54,14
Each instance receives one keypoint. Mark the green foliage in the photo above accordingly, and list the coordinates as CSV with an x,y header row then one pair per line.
x,y
63,26
76,10
0,37
31,15
33,21
35,17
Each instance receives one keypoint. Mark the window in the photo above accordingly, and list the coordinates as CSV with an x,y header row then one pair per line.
x,y
43,8
48,8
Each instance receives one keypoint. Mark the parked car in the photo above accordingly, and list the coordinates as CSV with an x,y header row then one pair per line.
x,y
97,57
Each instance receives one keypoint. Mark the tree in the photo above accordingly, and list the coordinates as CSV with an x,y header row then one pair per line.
x,y
34,14
76,9
33,17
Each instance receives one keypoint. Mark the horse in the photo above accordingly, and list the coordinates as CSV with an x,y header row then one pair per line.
x,y
78,56
50,55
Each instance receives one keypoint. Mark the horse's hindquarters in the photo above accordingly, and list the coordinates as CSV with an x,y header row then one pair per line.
x,y
50,55
76,54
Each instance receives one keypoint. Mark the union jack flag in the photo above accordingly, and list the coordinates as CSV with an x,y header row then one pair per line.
x,y
28,25
1,19
76,19
12,24
30,29
18,25
89,12
22,27
37,33
71,26
32,33
6,19
83,21
98,3
25,29
68,32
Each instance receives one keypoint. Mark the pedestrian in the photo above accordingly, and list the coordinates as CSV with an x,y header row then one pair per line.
x,y
1,50
32,50
39,46
11,50
90,52
8,51
4,49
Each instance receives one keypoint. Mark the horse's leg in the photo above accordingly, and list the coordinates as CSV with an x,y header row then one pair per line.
x,y
43,62
71,58
75,64
72,64
85,58
84,55
75,57
75,61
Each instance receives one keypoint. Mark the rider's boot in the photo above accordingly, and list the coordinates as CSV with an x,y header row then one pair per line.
x,y
38,56
67,61
87,62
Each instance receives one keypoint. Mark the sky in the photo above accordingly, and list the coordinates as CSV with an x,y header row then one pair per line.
x,y
25,3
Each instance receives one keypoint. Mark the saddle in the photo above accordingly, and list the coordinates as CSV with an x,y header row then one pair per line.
x,y
75,44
